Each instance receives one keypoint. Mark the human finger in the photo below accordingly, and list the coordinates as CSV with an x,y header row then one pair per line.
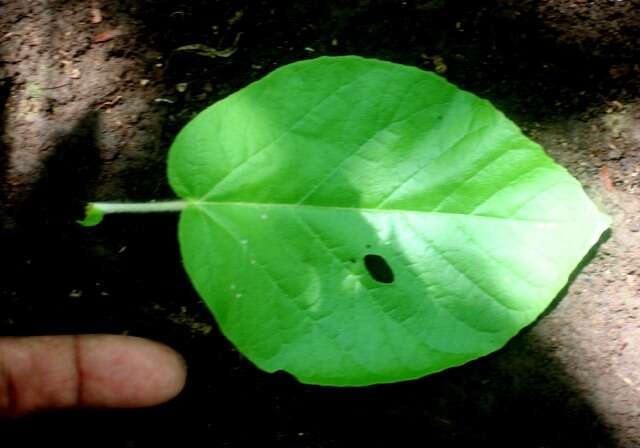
x,y
48,372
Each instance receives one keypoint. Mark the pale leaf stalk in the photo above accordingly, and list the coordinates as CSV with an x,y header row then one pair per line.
x,y
95,211
139,207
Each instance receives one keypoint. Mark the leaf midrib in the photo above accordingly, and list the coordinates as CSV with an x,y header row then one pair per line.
x,y
200,203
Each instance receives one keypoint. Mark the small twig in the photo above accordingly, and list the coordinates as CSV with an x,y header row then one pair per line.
x,y
57,87
606,179
111,103
8,35
204,50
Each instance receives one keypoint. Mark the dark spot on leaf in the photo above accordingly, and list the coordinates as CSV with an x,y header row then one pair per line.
x,y
368,246
378,268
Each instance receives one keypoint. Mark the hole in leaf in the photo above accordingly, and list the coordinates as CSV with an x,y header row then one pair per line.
x,y
378,268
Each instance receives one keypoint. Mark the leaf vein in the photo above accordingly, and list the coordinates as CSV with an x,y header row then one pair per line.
x,y
475,283
424,165
467,180
386,316
281,134
365,210
324,332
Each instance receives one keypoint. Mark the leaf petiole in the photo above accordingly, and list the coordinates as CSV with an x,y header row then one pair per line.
x,y
95,211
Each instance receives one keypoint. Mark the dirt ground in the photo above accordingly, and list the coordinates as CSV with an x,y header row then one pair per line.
x,y
91,95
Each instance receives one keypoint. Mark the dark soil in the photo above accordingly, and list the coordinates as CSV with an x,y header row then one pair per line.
x,y
88,110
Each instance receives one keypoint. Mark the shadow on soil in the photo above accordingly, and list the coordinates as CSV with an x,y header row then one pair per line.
x,y
518,397
576,272
494,48
5,92
41,241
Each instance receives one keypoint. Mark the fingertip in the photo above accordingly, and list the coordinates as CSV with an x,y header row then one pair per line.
x,y
128,371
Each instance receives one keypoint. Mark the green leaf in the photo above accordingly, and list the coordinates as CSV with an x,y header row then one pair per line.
x,y
353,221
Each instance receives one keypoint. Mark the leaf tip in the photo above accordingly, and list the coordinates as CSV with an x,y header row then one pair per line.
x,y
92,216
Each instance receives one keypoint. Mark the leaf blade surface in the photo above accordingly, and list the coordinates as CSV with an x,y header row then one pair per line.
x,y
293,180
